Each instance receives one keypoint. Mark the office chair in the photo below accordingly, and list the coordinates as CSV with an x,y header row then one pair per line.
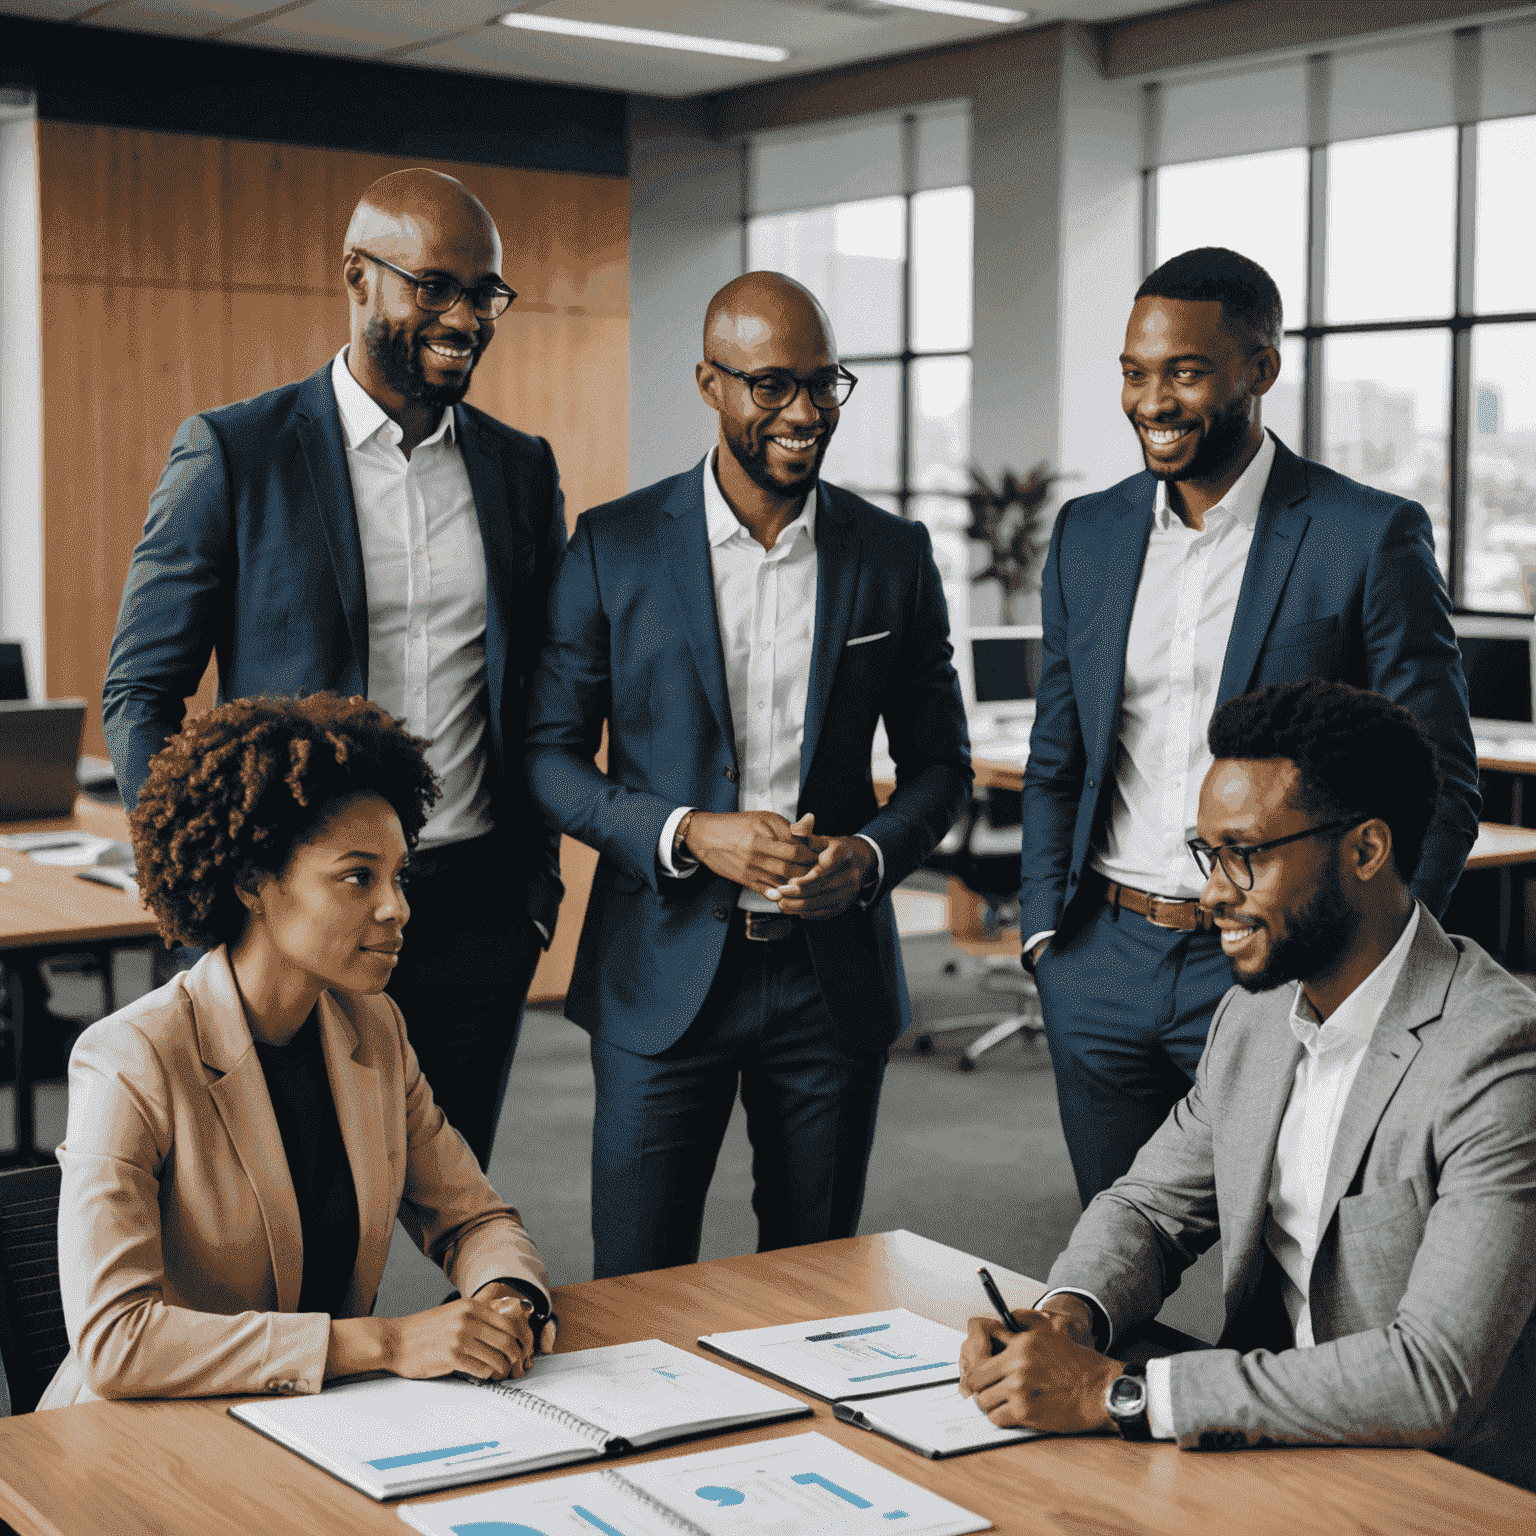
x,y
32,1336
13,672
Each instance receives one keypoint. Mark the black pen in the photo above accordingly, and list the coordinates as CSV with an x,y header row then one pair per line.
x,y
995,1296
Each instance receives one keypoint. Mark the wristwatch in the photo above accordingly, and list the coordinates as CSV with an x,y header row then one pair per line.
x,y
1126,1401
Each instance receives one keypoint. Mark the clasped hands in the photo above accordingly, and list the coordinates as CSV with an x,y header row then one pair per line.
x,y
1050,1377
808,875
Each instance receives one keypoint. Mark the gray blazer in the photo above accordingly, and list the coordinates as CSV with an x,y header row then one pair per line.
x,y
1425,1276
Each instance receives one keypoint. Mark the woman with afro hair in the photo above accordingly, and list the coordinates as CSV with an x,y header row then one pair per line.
x,y
242,1140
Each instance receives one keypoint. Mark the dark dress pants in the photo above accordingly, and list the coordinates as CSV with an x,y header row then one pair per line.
x,y
810,1103
1127,1006
470,953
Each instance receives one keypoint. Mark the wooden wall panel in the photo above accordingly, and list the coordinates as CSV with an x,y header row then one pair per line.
x,y
181,273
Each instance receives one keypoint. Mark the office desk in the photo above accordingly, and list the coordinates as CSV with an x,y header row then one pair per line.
x,y
188,1468
44,910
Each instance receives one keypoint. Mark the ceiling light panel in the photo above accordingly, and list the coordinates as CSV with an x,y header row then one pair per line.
x,y
642,37
966,10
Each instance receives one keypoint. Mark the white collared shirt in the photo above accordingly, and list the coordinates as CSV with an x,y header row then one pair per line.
x,y
1331,1056
424,570
1174,655
765,605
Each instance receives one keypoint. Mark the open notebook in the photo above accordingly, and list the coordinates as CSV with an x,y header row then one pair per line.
x,y
388,1436
891,1372
801,1485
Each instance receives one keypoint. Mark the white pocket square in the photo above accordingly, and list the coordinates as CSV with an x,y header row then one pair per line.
x,y
865,639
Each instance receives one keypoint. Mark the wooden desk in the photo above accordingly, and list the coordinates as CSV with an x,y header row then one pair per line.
x,y
187,1467
44,909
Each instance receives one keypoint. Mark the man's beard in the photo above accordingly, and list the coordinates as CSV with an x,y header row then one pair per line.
x,y
1316,935
754,463
1222,441
397,356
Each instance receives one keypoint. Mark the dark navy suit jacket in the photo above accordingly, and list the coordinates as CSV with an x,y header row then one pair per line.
x,y
1341,583
251,553
633,639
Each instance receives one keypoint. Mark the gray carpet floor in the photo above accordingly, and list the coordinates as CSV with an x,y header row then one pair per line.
x,y
974,1159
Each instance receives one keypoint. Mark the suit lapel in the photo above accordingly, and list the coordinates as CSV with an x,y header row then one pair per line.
x,y
1117,576
244,1106
683,537
325,455
355,1092
1277,538
492,509
837,585
1417,999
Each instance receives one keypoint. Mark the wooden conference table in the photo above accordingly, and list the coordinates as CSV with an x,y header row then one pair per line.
x,y
186,1467
45,910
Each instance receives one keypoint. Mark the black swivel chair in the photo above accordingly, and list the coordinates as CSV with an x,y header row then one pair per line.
x,y
32,1336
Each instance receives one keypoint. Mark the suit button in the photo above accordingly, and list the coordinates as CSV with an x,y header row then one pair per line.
x,y
722,914
732,775
1093,783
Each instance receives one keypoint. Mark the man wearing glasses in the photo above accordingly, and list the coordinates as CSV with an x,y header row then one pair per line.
x,y
366,532
1228,563
743,627
1361,1137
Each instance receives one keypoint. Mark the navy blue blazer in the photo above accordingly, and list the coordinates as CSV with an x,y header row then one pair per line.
x,y
251,553
1341,583
634,640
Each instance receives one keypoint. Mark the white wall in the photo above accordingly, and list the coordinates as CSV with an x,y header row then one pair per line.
x,y
21,383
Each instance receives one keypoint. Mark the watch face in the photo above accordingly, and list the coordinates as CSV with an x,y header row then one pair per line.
x,y
1126,1394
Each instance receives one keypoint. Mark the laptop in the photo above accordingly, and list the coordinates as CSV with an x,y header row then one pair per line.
x,y
39,746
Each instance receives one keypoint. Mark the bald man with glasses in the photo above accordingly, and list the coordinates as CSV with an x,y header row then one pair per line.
x,y
367,532
743,627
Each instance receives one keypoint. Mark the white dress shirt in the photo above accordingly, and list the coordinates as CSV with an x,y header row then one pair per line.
x,y
424,570
1174,654
765,605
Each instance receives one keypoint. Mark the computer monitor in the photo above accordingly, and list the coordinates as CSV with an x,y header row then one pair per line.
x,y
1496,659
1001,668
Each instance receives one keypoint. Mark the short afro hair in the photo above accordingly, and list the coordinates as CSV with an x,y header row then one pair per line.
x,y
233,793
1357,754
1250,302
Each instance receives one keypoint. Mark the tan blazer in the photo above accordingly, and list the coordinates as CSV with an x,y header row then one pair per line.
x,y
180,1253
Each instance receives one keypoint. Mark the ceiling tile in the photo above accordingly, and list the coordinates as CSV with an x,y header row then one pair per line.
x,y
179,18
43,10
365,26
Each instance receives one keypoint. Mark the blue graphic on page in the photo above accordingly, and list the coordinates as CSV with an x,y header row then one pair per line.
x,y
847,1333
591,1519
494,1528
894,1514
415,1458
906,1370
831,1487
724,1497
670,1375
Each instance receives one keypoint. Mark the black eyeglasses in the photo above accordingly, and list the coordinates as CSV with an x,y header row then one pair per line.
x,y
1235,858
777,387
438,294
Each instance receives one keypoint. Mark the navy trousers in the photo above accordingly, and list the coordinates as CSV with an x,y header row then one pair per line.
x,y
462,981
1127,1006
810,1104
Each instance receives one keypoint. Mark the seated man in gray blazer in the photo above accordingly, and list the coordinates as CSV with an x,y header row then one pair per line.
x,y
1361,1135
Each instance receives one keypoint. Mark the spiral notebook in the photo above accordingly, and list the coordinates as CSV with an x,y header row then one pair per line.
x,y
387,1436
800,1485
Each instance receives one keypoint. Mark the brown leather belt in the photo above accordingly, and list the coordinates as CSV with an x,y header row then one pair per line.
x,y
1160,911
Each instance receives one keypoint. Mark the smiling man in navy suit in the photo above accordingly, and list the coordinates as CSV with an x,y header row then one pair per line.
x,y
742,627
366,532
1228,564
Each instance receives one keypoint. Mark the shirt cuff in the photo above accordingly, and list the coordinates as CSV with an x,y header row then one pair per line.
x,y
1160,1398
1034,938
664,847
1103,1329
879,869
543,931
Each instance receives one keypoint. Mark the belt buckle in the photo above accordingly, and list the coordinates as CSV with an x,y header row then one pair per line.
x,y
765,927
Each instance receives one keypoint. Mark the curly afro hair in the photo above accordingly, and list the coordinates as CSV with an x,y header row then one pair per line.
x,y
236,790
1356,753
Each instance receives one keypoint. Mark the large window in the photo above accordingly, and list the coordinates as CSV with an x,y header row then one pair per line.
x,y
1405,265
